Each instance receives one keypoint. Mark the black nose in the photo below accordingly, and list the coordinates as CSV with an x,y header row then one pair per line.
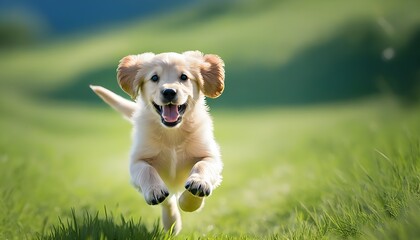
x,y
169,94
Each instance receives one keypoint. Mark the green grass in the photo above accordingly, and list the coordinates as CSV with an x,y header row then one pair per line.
x,y
93,227
332,171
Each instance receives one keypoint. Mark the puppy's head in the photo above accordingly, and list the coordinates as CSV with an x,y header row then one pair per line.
x,y
171,83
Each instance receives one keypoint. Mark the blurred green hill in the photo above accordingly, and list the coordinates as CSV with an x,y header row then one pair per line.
x,y
276,52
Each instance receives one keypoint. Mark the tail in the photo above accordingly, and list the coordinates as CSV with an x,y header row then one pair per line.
x,y
122,105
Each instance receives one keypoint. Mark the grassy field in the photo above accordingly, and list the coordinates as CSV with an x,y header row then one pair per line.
x,y
331,171
348,169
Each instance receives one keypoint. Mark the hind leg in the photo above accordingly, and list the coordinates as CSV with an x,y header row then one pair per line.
x,y
190,203
171,215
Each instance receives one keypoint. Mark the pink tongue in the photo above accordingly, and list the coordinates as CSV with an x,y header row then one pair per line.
x,y
170,113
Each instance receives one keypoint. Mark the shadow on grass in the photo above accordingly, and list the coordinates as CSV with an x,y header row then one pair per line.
x,y
93,227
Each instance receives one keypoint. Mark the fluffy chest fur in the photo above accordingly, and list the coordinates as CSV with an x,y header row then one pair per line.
x,y
173,152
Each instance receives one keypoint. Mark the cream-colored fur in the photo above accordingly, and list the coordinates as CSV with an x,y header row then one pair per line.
x,y
174,158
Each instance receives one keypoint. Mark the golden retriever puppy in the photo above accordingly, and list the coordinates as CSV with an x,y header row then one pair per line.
x,y
174,159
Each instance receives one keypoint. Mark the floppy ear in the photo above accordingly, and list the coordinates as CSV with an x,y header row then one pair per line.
x,y
127,72
213,73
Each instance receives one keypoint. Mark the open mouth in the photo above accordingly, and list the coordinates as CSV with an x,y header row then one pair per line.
x,y
170,114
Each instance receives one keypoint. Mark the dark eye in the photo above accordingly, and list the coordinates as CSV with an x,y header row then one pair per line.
x,y
155,78
183,77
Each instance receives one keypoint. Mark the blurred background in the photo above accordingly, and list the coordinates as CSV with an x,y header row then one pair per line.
x,y
314,90
276,52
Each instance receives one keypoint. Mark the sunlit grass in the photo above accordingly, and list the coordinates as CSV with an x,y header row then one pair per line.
x,y
344,170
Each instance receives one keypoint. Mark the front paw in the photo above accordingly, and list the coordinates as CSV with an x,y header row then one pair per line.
x,y
156,194
198,187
